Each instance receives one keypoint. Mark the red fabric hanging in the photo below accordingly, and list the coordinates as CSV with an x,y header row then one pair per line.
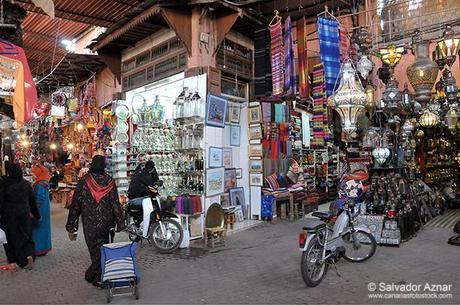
x,y
303,58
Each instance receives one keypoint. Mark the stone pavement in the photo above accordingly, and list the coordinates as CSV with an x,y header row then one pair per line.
x,y
260,266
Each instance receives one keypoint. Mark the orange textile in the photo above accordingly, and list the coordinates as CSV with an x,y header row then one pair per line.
x,y
40,173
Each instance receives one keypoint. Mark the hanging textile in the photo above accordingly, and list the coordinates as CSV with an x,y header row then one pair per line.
x,y
290,86
266,112
29,102
344,43
263,74
302,63
328,35
320,119
277,58
279,113
305,129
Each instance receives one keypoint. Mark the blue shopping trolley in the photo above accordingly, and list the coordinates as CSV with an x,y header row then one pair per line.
x,y
119,270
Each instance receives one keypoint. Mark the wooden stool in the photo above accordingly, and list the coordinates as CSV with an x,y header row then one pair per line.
x,y
215,235
229,219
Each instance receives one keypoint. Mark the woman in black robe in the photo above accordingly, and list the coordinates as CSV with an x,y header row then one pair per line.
x,y
96,200
18,211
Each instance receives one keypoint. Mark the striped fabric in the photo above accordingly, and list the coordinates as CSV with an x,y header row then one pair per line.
x,y
344,43
303,58
328,36
272,182
290,83
277,58
119,268
446,220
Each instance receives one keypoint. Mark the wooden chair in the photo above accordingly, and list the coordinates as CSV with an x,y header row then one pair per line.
x,y
215,231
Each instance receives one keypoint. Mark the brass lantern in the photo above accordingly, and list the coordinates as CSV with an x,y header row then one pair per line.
x,y
448,46
391,55
428,119
349,100
451,119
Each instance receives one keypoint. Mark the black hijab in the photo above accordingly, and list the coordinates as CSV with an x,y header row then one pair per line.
x,y
97,165
14,172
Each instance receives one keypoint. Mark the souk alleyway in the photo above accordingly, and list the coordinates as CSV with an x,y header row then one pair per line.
x,y
260,266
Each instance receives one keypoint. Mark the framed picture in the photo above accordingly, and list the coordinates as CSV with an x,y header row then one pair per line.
x,y
256,166
237,196
239,173
235,113
255,132
227,158
255,114
235,135
256,179
216,111
229,179
256,150
214,181
225,200
215,157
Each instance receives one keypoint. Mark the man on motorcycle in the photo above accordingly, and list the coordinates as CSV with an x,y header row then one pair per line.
x,y
144,178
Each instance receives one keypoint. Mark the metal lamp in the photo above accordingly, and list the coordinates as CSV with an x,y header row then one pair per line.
x,y
349,100
392,98
380,155
448,46
428,119
451,119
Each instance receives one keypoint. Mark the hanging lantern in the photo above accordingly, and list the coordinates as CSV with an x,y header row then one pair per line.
x,y
392,98
428,119
407,102
380,155
423,72
451,119
364,66
349,99
370,92
391,55
450,86
448,46
408,127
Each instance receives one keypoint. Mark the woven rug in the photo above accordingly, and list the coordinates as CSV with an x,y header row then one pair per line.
x,y
329,45
446,220
277,58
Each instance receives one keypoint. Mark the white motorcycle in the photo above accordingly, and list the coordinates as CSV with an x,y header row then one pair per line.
x,y
323,243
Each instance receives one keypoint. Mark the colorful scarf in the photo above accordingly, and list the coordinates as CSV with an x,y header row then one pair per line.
x,y
289,73
98,192
328,35
263,76
344,43
302,62
40,173
266,112
320,118
277,58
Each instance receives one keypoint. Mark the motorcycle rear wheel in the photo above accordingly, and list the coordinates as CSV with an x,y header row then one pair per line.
x,y
312,269
353,241
173,238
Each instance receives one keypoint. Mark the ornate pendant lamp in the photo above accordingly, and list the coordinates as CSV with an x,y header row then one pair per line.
x,y
364,66
428,119
392,98
380,155
423,72
391,55
451,118
448,46
349,100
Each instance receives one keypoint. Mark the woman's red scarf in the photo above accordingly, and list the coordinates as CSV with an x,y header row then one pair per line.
x,y
98,192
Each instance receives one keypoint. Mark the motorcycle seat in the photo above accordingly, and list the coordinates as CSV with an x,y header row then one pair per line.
x,y
325,216
134,208
314,225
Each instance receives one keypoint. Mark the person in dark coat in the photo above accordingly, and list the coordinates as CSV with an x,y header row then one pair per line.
x,y
18,212
96,200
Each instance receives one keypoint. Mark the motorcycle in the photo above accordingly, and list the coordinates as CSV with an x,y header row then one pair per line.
x,y
165,233
323,243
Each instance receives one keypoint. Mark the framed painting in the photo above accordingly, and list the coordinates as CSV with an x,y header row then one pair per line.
x,y
216,111
215,157
225,200
256,179
255,114
237,196
239,173
227,158
214,181
235,135
256,166
235,112
255,132
229,179
256,150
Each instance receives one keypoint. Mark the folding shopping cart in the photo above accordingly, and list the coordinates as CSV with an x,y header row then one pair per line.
x,y
119,270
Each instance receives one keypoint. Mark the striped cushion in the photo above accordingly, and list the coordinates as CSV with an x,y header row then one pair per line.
x,y
118,268
272,182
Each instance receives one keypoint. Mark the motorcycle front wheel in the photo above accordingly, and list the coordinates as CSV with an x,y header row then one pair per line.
x,y
313,270
169,239
359,246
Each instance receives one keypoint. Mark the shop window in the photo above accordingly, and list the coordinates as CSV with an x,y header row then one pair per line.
x,y
125,82
136,79
230,87
164,68
175,43
129,65
150,73
160,50
142,59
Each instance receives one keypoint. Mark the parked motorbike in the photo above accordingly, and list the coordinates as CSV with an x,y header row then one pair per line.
x,y
323,242
165,233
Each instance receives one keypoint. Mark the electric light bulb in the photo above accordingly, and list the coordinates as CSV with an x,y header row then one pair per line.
x,y
25,143
70,146
80,126
53,146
